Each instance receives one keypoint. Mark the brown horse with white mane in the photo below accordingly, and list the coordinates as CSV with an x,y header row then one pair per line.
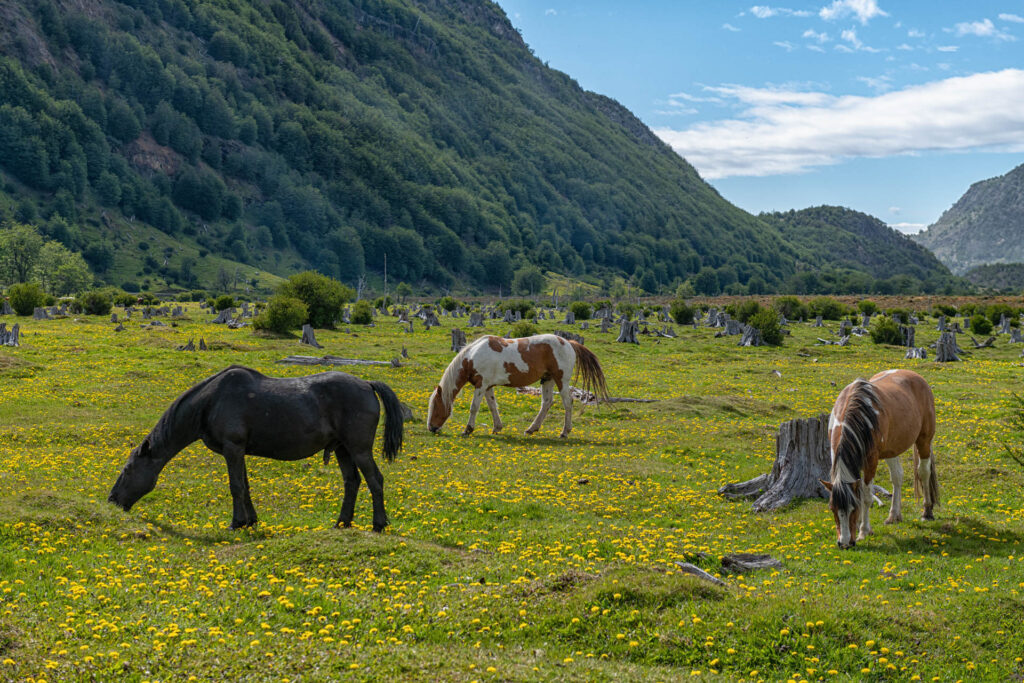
x,y
493,361
872,420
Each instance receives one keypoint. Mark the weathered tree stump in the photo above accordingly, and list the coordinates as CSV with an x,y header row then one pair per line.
x,y
570,335
908,332
570,318
606,325
191,346
744,563
694,570
733,327
202,344
458,340
751,336
946,350
9,338
1004,324
5,308
801,459
917,352
119,328
844,328
942,324
628,332
222,318
403,315
1015,336
476,319
309,337
817,322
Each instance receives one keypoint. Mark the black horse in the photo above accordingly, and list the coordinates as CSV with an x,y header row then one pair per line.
x,y
240,412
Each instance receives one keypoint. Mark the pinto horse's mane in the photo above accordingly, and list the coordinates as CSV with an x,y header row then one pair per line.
x,y
451,373
859,424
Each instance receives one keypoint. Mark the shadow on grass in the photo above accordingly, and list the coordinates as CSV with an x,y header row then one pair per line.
x,y
958,537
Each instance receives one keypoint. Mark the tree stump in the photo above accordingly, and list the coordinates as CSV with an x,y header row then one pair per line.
x,y
5,308
222,318
751,336
202,344
570,335
191,346
1015,335
744,563
817,322
628,332
844,328
476,319
606,325
1004,324
917,352
908,335
570,318
946,348
942,324
309,337
801,459
458,339
119,328
733,327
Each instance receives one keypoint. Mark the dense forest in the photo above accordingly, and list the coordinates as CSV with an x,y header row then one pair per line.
x,y
998,277
162,139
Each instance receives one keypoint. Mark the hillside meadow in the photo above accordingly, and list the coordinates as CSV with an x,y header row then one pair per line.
x,y
508,557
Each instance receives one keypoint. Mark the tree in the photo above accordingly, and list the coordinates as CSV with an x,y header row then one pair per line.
x,y
528,280
61,271
322,295
19,250
281,315
403,291
25,297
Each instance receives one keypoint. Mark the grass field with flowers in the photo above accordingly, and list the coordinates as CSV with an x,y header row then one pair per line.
x,y
509,557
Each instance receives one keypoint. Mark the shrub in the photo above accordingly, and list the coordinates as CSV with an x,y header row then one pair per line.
x,y
448,303
943,309
766,321
125,299
791,307
94,302
886,331
383,302
224,302
996,311
980,324
867,307
281,315
968,309
25,297
580,309
362,313
130,286
681,312
322,295
523,329
627,309
827,307
524,306
746,310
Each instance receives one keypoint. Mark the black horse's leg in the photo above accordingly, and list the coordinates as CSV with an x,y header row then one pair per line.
x,y
352,480
375,482
243,512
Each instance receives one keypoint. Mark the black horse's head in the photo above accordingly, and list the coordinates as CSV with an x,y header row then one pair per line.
x,y
138,477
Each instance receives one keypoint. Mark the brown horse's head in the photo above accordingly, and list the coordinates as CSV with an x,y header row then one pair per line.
x,y
138,476
844,502
437,411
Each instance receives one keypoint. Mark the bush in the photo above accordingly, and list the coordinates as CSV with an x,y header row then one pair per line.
x,y
766,321
26,297
886,331
523,329
282,314
322,295
980,324
867,307
968,309
362,313
627,309
95,302
224,302
524,307
827,307
943,309
746,310
903,313
681,312
791,307
125,299
383,302
580,309
448,303
130,286
996,311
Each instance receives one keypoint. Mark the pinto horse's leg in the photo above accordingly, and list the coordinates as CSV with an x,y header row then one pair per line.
x,y
493,405
896,476
375,482
350,473
566,391
474,407
547,391
865,510
243,512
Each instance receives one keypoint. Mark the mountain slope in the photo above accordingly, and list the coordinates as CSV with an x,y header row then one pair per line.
x,y
851,247
986,225
287,134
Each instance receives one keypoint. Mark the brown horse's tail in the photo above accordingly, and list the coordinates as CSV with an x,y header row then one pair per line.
x,y
394,425
933,479
588,369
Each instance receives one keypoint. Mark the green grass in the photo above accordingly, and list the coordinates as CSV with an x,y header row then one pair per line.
x,y
538,558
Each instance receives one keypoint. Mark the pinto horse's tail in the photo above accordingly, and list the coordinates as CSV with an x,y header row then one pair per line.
x,y
588,368
393,419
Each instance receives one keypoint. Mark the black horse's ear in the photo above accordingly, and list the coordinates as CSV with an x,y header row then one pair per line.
x,y
144,449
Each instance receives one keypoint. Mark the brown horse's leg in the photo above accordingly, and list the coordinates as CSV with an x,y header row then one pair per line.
x,y
243,512
493,405
926,475
566,391
350,473
374,482
547,390
896,477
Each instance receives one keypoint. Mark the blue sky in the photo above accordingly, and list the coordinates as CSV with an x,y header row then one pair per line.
x,y
891,108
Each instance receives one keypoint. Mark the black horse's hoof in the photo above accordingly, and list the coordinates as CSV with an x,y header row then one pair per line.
x,y
242,525
378,529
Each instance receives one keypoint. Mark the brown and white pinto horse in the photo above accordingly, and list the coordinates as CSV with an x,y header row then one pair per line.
x,y
491,361
872,420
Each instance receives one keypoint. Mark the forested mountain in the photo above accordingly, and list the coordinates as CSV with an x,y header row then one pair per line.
x,y
998,277
158,137
986,225
856,252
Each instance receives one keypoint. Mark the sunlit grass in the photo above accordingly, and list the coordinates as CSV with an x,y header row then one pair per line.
x,y
509,557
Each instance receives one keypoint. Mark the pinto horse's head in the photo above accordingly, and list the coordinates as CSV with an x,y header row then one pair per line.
x,y
138,476
437,411
844,502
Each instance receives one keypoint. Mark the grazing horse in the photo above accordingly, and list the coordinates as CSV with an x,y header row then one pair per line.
x,y
240,412
872,420
493,361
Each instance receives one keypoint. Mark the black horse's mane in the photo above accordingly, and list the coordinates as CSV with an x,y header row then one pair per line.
x,y
182,418
860,422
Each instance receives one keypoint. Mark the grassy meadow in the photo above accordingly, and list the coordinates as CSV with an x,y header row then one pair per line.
x,y
509,557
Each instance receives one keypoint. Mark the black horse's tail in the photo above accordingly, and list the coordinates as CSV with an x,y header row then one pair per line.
x,y
394,425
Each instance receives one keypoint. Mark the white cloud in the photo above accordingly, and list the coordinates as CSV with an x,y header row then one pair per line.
x,y
850,36
785,45
947,48
895,210
814,35
879,84
786,131
983,29
550,12
1012,18
864,10
914,33
816,48
729,27
766,12
908,228
904,47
